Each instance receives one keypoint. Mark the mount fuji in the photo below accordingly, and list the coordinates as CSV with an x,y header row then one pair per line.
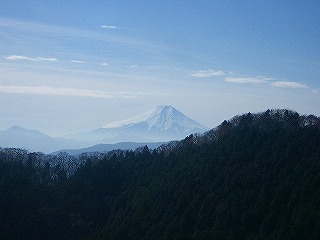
x,y
162,123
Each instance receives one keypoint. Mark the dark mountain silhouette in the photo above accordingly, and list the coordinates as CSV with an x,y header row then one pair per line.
x,y
255,176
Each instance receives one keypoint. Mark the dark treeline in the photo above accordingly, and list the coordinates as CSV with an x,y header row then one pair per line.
x,y
256,176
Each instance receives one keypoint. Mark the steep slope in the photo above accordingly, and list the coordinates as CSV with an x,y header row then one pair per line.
x,y
256,176
163,123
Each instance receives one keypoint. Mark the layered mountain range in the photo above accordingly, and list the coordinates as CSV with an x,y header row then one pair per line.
x,y
255,176
160,124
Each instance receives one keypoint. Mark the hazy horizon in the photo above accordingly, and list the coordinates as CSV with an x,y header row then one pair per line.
x,y
118,122
74,66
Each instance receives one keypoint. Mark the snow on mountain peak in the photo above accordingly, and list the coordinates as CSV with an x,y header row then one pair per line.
x,y
160,118
148,116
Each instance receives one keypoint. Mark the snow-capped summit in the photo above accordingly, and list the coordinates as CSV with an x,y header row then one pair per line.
x,y
160,124
160,118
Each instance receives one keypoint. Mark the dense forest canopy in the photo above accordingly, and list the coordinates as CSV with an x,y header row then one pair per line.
x,y
256,176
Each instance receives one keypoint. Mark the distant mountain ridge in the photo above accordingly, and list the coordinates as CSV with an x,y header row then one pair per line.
x,y
109,147
33,140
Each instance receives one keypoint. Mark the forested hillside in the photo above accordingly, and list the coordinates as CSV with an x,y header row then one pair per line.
x,y
256,176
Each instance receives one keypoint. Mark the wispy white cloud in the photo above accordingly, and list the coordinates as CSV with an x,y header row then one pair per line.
x,y
246,80
19,57
266,78
153,67
74,92
104,64
109,26
42,34
16,57
262,79
45,90
133,66
208,73
46,59
76,61
284,84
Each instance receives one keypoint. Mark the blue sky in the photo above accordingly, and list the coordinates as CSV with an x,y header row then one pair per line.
x,y
78,65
